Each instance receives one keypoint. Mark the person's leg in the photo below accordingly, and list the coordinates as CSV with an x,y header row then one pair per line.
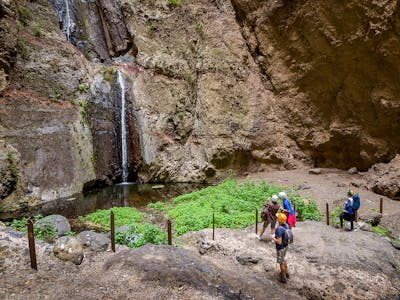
x,y
273,224
341,220
262,231
282,264
290,221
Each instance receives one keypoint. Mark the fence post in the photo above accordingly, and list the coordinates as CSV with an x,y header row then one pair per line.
x,y
31,241
169,225
256,221
381,206
213,227
327,214
112,225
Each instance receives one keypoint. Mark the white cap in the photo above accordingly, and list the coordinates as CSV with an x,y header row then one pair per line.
x,y
274,198
282,195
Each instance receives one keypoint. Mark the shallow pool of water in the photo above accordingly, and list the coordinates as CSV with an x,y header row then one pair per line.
x,y
135,195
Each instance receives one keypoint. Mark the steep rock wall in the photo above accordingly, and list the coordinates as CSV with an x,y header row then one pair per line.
x,y
334,69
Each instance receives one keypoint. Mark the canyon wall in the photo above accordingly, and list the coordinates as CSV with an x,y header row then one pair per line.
x,y
213,87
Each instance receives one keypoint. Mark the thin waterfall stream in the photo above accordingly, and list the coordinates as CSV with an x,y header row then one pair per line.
x,y
124,145
68,22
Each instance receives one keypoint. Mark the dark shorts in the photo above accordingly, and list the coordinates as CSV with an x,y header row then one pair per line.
x,y
268,221
347,217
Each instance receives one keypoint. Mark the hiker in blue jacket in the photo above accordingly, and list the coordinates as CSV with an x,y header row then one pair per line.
x,y
348,212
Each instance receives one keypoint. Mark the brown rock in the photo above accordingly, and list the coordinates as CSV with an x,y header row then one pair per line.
x,y
70,249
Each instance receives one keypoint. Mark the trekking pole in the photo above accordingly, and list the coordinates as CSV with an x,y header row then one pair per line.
x,y
381,206
327,214
256,220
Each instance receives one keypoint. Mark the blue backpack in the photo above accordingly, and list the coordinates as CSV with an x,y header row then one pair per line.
x,y
356,202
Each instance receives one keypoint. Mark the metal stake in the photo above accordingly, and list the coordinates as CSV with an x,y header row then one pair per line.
x,y
31,241
213,227
381,206
327,214
112,231
169,225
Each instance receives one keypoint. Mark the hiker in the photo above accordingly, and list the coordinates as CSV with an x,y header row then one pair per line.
x,y
283,237
269,215
350,208
288,209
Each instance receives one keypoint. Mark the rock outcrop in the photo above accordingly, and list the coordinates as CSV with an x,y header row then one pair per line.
x,y
69,248
384,179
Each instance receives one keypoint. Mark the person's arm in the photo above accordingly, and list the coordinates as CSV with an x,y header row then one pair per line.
x,y
278,240
346,206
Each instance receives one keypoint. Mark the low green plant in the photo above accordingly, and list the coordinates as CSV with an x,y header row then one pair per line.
x,y
152,26
381,230
334,215
174,2
37,29
180,115
84,105
109,73
24,14
307,208
233,205
122,216
157,205
47,233
144,233
82,88
70,233
23,48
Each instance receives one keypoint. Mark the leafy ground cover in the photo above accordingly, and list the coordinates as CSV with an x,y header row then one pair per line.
x,y
43,233
232,203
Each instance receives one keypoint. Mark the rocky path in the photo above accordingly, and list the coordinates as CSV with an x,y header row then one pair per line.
x,y
324,263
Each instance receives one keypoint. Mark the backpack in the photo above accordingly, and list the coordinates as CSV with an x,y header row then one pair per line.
x,y
356,202
287,238
264,214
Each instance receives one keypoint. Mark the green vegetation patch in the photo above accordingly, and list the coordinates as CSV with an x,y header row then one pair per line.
x,y
233,204
139,233
122,216
47,233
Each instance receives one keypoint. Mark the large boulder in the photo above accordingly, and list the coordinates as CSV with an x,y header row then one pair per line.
x,y
384,179
69,248
58,222
94,241
372,218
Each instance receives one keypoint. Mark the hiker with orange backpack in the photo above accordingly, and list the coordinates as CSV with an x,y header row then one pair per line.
x,y
283,237
268,215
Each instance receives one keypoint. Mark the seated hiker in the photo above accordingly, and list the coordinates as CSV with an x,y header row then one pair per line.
x,y
351,206
269,215
288,209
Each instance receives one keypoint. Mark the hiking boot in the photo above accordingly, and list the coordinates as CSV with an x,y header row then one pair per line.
x,y
281,278
287,275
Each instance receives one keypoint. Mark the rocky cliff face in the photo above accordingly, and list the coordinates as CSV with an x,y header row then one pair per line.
x,y
333,67
212,86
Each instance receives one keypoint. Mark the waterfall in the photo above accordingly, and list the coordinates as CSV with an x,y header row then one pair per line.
x,y
68,23
124,146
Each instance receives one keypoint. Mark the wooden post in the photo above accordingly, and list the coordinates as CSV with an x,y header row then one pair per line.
x,y
112,225
256,221
381,206
213,227
169,226
327,214
31,241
